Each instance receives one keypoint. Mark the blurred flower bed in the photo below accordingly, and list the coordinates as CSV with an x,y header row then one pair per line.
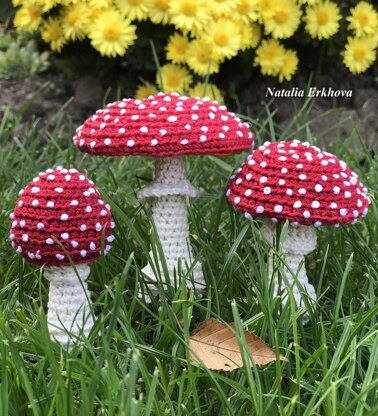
x,y
195,38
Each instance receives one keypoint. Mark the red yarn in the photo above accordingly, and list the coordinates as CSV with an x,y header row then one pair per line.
x,y
297,182
163,125
60,205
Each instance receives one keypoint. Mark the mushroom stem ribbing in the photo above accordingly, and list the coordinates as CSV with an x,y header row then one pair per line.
x,y
168,194
69,312
298,242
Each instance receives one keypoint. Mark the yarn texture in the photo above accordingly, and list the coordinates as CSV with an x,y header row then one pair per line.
x,y
163,125
298,182
69,303
60,212
298,242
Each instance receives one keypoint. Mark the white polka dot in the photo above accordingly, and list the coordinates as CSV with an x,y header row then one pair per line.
x,y
92,144
248,192
98,227
297,204
88,209
315,204
130,143
336,190
236,200
283,170
299,166
318,187
347,194
83,227
172,119
263,164
59,256
121,130
74,244
205,129
107,141
144,129
289,192
20,203
65,236
22,223
282,158
83,253
263,179
260,209
50,177
302,191
221,136
359,203
92,245
239,181
58,190
184,141
154,142
203,138
102,126
35,203
248,176
267,190
278,209
163,132
187,126
324,178
324,163
35,189
302,177
317,223
306,214
64,217
333,205
281,182
194,116
343,212
50,204
103,213
49,241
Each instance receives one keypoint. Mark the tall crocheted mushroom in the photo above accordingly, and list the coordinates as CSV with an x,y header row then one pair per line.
x,y
167,127
297,182
59,218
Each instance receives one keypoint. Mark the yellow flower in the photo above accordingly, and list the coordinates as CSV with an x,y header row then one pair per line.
x,y
28,17
200,59
110,34
359,54
270,56
225,37
47,5
177,48
173,78
266,8
311,2
224,7
247,10
289,65
159,11
75,20
363,19
101,4
284,21
250,35
322,19
190,15
52,33
206,90
133,9
145,90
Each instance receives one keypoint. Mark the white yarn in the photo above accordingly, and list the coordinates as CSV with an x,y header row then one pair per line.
x,y
168,195
170,179
68,306
298,242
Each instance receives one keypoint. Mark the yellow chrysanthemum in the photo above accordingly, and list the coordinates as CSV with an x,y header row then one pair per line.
x,y
289,65
322,19
94,13
111,34
52,33
250,35
363,19
310,2
177,48
225,37
75,20
159,11
190,15
28,17
145,90
175,78
101,4
47,5
284,21
200,59
133,9
266,8
223,7
359,55
247,10
270,56
206,90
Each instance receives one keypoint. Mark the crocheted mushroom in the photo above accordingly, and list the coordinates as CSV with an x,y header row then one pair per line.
x,y
167,127
60,217
297,182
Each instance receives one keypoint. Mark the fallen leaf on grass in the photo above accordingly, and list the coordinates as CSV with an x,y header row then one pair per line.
x,y
217,346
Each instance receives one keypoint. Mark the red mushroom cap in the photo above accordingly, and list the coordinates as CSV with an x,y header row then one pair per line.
x,y
163,125
297,182
60,205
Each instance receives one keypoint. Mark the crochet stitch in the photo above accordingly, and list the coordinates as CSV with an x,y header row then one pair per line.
x,y
298,182
60,207
163,125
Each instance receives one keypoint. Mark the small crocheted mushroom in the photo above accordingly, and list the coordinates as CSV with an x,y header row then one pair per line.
x,y
297,182
167,127
59,218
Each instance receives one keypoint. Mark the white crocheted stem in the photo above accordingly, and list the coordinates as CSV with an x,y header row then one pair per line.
x,y
298,242
168,194
69,303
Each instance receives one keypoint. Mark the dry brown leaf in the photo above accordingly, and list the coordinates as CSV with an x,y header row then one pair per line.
x,y
217,346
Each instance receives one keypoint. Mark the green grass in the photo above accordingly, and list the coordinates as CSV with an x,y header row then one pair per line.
x,y
136,360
